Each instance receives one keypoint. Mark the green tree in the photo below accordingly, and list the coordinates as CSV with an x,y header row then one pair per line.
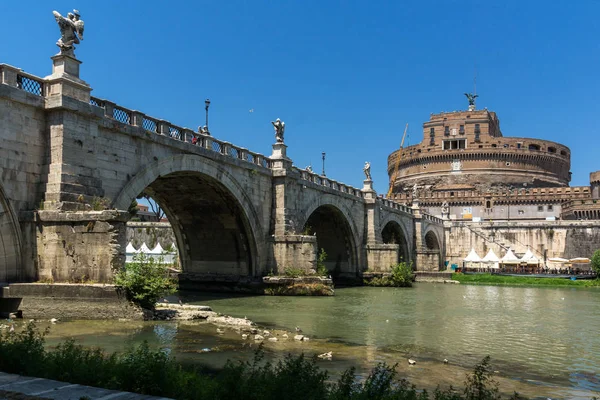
x,y
596,263
321,268
145,280
133,208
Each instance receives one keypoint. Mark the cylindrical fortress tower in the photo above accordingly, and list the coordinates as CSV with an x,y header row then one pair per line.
x,y
466,150
595,184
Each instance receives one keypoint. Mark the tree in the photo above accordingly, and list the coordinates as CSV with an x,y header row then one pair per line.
x,y
155,207
596,263
133,208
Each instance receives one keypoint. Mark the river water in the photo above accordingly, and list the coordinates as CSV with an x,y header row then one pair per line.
x,y
542,341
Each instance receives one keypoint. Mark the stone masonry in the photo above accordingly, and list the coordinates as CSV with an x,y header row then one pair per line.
x,y
71,164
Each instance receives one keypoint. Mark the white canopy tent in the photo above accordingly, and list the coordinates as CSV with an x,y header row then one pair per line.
x,y
472,260
490,260
157,249
144,248
510,258
130,251
529,258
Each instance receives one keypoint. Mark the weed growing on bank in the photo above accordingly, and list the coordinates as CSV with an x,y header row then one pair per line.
x,y
401,276
154,372
145,280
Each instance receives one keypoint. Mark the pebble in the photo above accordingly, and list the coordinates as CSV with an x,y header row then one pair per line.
x,y
411,361
298,337
244,336
272,339
259,337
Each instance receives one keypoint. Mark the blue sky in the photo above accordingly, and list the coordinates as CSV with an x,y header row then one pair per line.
x,y
345,76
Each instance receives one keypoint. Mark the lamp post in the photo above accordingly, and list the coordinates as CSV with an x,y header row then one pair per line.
x,y
323,155
206,105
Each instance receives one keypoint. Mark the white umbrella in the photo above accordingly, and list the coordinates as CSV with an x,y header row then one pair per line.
x,y
144,249
558,260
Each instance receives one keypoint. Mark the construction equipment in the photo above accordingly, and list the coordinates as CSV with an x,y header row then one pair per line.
x,y
395,171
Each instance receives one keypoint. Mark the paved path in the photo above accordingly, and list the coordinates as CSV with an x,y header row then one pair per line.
x,y
17,387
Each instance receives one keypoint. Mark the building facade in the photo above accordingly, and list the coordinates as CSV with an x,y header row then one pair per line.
x,y
465,169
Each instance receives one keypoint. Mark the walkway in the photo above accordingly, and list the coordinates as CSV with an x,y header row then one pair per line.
x,y
17,387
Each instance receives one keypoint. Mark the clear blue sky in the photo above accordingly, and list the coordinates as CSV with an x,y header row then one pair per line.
x,y
345,76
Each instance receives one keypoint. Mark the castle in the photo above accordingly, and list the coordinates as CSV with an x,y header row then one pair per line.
x,y
465,169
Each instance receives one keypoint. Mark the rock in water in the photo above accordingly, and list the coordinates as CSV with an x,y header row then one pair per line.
x,y
445,361
326,356
272,339
259,337
298,337
266,333
244,336
54,320
411,361
285,336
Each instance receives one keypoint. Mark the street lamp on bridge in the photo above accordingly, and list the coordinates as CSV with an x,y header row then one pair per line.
x,y
206,105
323,154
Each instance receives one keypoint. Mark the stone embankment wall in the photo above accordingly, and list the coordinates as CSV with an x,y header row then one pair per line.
x,y
150,233
567,239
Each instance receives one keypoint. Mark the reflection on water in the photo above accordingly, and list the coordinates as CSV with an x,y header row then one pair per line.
x,y
543,341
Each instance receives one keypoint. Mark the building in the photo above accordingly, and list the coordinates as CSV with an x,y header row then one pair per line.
x,y
465,169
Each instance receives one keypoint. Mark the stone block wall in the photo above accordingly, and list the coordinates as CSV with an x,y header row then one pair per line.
x,y
566,239
382,257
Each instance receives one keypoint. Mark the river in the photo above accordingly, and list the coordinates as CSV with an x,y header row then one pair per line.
x,y
542,341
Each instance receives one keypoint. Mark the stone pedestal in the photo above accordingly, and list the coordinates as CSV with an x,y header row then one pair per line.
x,y
279,157
65,79
295,251
382,257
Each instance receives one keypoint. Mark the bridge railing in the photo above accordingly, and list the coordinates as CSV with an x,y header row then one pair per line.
x,y
164,128
433,219
16,77
395,206
329,183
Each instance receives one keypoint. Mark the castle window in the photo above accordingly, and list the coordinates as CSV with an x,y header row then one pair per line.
x,y
461,130
451,194
454,144
519,144
551,149
494,145
521,212
540,208
550,207
488,204
534,147
505,145
563,153
446,131
477,129
432,132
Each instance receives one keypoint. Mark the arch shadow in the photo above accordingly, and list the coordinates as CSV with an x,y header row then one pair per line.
x,y
11,253
206,207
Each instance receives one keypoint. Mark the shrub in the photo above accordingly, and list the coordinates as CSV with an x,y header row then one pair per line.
x,y
153,372
401,276
145,280
321,268
292,272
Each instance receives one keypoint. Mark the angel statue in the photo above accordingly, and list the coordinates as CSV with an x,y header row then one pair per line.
x,y
471,97
367,170
71,31
279,127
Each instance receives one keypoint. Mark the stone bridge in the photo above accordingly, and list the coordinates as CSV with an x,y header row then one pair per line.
x,y
71,164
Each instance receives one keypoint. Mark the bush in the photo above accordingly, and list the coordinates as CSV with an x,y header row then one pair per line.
x,y
401,276
292,272
154,372
595,261
145,280
321,268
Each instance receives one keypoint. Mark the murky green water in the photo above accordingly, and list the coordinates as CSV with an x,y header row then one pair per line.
x,y
543,341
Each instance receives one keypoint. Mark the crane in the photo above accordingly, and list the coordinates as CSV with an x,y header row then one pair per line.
x,y
395,171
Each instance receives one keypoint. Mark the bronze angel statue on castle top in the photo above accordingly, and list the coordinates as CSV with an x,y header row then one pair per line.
x,y
471,97
71,31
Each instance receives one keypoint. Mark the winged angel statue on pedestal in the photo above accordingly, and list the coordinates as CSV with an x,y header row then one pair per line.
x,y
71,31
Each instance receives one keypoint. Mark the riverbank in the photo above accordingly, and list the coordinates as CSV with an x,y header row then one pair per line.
x,y
489,279
154,372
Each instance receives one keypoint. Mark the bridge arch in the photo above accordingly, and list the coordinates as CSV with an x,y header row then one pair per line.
x,y
331,221
394,232
10,241
434,245
216,225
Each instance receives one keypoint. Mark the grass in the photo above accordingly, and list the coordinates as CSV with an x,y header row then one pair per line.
x,y
489,279
154,372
